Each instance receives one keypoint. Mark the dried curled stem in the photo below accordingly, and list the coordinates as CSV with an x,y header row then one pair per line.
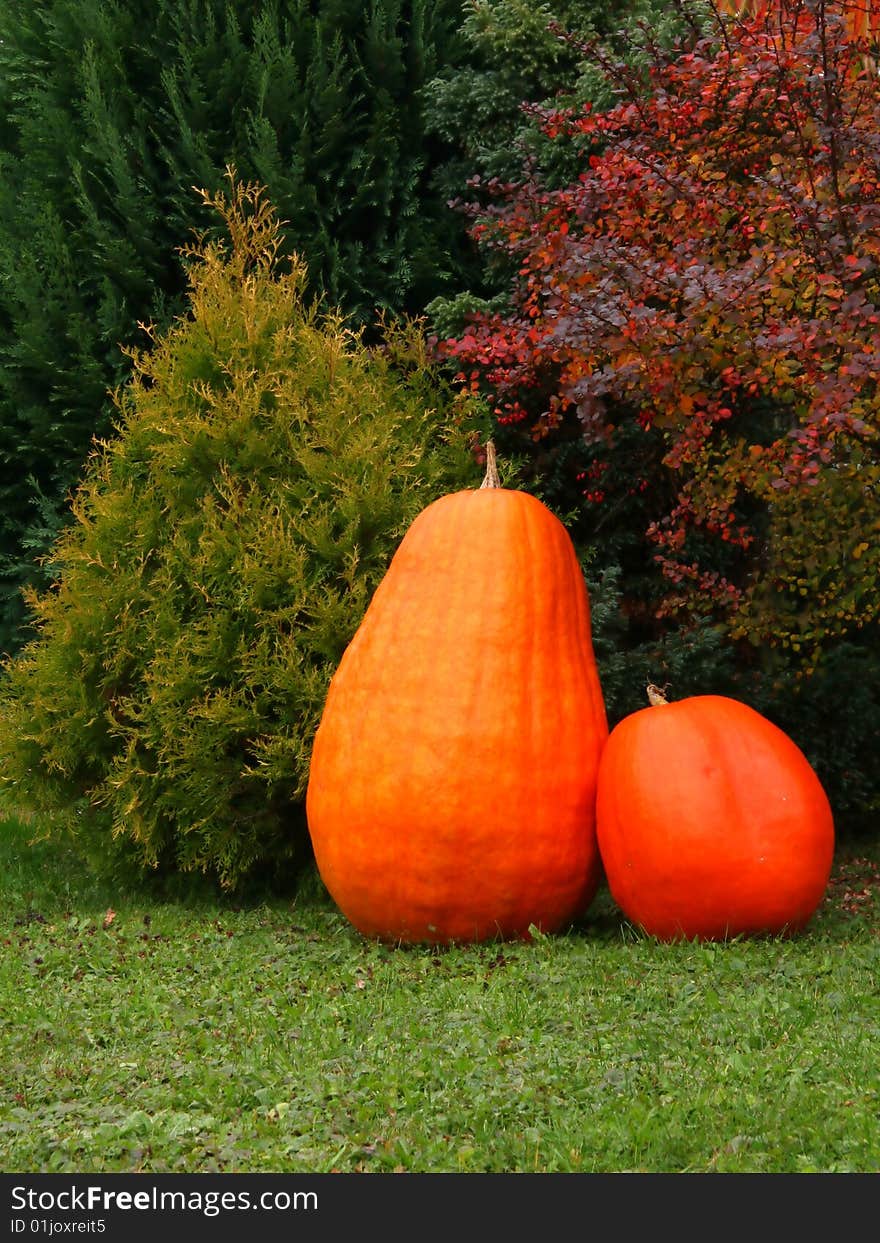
x,y
492,478
656,697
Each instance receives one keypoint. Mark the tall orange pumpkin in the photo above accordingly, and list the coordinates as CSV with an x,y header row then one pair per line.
x,y
711,822
452,784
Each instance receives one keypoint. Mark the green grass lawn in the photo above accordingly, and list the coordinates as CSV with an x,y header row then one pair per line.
x,y
200,1035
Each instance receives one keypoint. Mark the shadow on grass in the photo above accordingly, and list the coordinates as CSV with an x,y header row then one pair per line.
x,y
603,919
47,874
43,876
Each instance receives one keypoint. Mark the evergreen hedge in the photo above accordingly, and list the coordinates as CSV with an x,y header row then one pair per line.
x,y
110,112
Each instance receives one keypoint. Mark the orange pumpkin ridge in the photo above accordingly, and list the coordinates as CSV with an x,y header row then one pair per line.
x,y
452,783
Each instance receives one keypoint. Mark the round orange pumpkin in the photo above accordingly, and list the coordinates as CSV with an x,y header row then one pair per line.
x,y
711,822
452,784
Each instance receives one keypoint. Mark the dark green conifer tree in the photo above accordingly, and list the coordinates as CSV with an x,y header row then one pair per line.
x,y
111,111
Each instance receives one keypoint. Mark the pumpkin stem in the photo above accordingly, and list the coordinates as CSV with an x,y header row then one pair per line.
x,y
492,479
656,696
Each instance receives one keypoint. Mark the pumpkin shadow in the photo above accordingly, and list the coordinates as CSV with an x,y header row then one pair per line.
x,y
603,918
